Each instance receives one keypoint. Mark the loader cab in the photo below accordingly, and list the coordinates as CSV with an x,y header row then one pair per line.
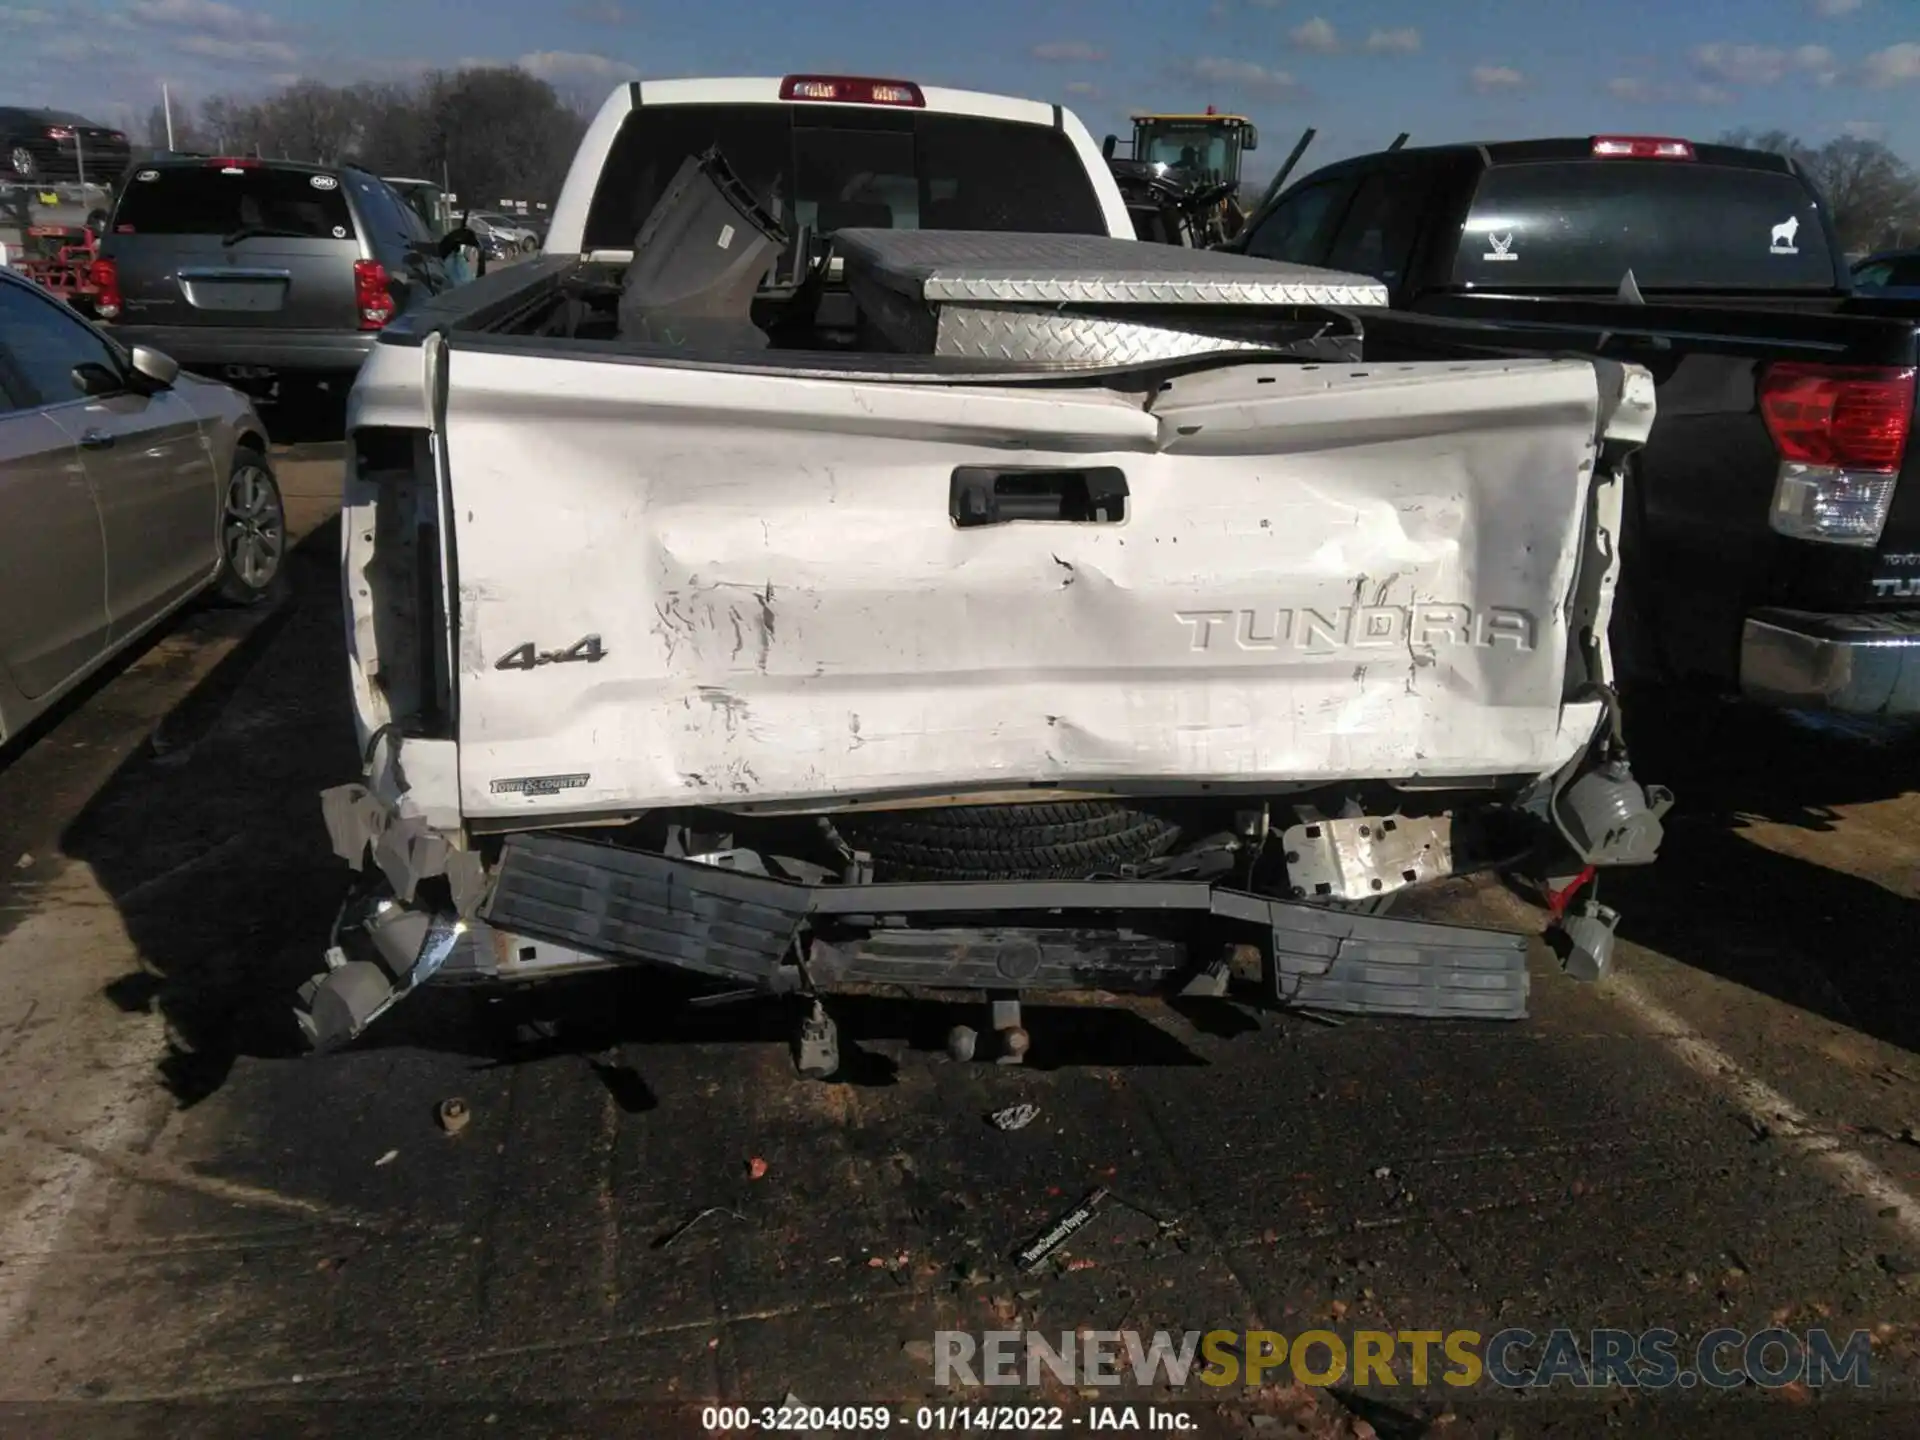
x,y
1207,145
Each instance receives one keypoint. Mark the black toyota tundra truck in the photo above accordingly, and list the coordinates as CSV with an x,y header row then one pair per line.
x,y
1772,533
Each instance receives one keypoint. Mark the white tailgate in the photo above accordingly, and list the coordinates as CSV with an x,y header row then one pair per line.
x,y
1325,572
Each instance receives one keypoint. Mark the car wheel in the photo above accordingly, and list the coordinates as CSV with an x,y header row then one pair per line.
x,y
253,531
22,161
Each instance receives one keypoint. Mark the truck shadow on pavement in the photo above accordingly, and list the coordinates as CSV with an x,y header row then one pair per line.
x,y
210,843
1765,878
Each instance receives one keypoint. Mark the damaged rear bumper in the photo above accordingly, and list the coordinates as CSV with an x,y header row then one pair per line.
x,y
560,905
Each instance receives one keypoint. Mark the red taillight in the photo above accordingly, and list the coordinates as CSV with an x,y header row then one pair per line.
x,y
1640,147
59,132
118,138
1856,418
235,162
852,90
370,294
1842,434
104,277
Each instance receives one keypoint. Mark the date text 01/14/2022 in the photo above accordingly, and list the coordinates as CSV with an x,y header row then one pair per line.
x,y
984,1419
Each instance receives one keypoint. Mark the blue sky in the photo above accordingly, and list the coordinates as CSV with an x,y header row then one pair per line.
x,y
1360,71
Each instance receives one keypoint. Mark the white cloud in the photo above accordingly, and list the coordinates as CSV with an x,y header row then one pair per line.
x,y
1894,65
559,67
78,47
1636,90
1082,87
1864,130
1817,61
1733,64
218,47
1316,35
12,15
1404,41
208,16
1242,73
1830,8
1496,79
1740,64
1075,51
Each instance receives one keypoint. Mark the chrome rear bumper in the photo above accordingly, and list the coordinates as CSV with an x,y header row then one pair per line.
x,y
1848,664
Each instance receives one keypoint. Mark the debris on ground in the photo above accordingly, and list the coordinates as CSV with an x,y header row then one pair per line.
x,y
756,1169
674,1234
1060,1231
920,1350
1383,1172
1318,1017
25,862
453,1115
1014,1117
386,1159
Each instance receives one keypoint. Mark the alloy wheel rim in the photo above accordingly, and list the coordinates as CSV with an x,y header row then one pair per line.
x,y
255,531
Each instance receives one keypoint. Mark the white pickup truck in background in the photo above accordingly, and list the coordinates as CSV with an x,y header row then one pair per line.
x,y
843,559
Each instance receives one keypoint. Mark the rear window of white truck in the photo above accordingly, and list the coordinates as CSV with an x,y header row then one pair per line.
x,y
831,167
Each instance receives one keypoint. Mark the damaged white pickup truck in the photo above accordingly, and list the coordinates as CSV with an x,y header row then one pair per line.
x,y
777,582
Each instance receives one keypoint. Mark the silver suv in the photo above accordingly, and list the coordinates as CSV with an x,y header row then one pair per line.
x,y
257,271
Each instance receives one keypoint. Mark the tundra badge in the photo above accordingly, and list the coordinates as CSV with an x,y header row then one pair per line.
x,y
530,656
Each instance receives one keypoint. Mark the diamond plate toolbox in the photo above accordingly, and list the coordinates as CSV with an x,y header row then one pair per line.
x,y
994,268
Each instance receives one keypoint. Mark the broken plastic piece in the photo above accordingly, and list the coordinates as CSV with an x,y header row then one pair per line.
x,y
1014,1117
1584,940
335,1007
816,1045
1210,983
699,260
453,1115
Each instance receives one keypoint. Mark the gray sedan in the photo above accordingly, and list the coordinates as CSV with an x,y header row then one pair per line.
x,y
126,490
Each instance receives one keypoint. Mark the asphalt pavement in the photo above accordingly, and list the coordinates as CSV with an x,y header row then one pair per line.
x,y
646,1213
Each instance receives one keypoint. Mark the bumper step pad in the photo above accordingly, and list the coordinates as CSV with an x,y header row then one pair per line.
x,y
631,905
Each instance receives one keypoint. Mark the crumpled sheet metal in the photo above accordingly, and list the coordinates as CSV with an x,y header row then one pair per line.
x,y
1324,573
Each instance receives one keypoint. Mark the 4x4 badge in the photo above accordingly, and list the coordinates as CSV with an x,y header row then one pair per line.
x,y
530,656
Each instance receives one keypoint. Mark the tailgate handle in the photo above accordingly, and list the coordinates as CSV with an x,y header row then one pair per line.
x,y
97,440
991,495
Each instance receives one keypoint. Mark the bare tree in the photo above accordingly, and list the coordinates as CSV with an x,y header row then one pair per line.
x,y
187,132
496,133
1872,195
309,121
230,126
